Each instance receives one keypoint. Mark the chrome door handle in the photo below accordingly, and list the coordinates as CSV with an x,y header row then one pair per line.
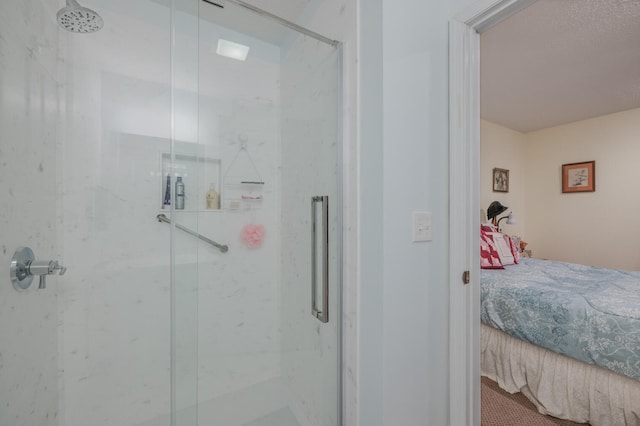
x,y
322,313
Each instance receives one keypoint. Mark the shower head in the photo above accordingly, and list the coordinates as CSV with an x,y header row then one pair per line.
x,y
78,19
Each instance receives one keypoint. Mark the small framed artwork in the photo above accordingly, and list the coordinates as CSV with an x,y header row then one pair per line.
x,y
579,177
500,180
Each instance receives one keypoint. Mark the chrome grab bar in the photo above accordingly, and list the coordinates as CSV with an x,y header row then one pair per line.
x,y
222,247
321,313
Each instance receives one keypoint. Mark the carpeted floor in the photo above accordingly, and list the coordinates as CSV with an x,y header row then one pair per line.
x,y
500,408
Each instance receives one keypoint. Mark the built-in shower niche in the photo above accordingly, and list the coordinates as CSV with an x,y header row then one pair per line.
x,y
198,172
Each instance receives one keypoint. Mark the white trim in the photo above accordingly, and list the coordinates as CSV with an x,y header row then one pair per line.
x,y
486,13
464,203
464,347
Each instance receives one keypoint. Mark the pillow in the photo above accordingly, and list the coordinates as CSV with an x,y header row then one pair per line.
x,y
487,227
514,242
503,247
489,257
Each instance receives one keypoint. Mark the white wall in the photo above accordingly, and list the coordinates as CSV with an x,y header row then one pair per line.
x,y
597,228
404,289
29,112
504,148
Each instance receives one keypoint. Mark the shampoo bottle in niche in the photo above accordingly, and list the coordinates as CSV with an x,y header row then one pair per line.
x,y
179,194
213,198
167,193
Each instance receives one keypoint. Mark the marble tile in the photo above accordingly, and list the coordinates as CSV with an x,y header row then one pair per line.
x,y
28,172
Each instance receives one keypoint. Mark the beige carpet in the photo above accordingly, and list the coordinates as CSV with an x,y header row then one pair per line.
x,y
500,408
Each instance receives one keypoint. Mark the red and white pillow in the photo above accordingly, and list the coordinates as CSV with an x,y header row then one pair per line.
x,y
503,246
496,249
489,257
515,248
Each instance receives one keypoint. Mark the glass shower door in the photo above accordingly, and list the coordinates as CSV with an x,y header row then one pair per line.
x,y
268,155
311,219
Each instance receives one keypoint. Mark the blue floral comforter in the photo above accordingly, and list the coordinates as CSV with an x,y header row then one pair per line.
x,y
590,314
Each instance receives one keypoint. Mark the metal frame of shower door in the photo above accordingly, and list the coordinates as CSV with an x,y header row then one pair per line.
x,y
282,21
340,230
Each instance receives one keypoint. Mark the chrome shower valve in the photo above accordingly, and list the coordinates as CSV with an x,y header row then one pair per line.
x,y
24,267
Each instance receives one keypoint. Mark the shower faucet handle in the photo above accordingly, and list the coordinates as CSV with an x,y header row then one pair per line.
x,y
44,268
61,269
41,267
24,267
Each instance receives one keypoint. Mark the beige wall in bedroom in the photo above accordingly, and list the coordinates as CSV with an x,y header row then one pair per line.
x,y
503,148
600,228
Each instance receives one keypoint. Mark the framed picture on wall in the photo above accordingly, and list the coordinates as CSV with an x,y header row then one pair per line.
x,y
500,180
579,177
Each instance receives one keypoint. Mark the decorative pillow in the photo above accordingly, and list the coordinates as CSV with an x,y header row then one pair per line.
x,y
503,247
487,227
489,257
516,240
514,243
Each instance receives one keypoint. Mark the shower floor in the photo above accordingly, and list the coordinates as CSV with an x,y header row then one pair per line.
x,y
263,404
282,417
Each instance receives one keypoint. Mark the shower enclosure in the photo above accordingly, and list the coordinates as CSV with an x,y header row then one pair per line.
x,y
223,311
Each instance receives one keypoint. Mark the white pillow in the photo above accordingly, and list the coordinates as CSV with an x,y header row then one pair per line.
x,y
504,250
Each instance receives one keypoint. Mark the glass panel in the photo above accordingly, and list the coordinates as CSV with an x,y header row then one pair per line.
x,y
185,163
272,122
311,144
115,298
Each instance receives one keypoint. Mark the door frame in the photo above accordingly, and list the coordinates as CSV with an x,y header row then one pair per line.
x,y
464,202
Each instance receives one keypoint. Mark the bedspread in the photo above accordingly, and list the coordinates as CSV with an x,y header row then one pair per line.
x,y
587,313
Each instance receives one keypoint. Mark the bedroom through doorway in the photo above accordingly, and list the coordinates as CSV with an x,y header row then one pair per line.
x,y
471,187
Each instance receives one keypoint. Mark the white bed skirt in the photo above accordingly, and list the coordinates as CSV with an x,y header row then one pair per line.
x,y
558,385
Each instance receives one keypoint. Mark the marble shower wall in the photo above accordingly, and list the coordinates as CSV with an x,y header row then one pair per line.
x,y
115,304
238,292
28,174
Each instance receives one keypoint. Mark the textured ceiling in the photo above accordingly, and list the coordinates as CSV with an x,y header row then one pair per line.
x,y
560,61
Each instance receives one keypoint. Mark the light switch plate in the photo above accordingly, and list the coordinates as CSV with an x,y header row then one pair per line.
x,y
421,226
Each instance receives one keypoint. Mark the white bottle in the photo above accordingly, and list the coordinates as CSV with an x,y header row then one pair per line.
x,y
213,198
179,194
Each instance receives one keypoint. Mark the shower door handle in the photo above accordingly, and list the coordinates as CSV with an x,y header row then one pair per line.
x,y
320,312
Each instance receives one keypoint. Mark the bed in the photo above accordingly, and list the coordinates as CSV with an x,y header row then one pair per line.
x,y
565,335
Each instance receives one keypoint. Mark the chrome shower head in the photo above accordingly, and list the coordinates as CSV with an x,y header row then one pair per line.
x,y
78,19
